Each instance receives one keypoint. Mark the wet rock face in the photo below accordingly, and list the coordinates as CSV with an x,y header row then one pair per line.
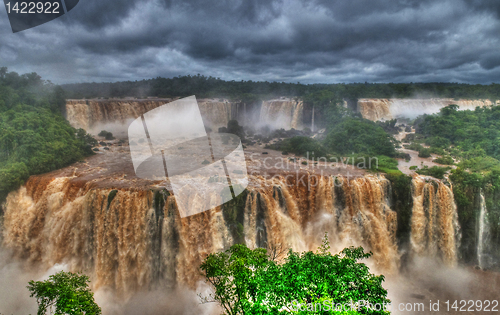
x,y
94,115
129,235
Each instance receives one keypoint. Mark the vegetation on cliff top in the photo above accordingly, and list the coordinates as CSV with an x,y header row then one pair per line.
x,y
249,91
471,137
34,136
347,135
358,135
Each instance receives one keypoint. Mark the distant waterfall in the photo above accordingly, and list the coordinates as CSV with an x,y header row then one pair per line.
x,y
245,116
282,113
483,234
384,109
96,115
312,123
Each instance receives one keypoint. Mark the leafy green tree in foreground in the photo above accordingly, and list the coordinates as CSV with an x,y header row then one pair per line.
x,y
64,293
247,281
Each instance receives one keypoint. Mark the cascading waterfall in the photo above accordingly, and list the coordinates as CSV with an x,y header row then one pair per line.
x,y
88,114
434,223
131,239
93,115
283,113
483,234
355,212
312,120
216,113
378,109
245,114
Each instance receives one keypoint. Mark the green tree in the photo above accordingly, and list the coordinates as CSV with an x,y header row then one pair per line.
x,y
106,134
248,281
301,145
64,293
358,135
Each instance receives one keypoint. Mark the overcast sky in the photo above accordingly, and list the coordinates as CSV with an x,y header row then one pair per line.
x,y
311,41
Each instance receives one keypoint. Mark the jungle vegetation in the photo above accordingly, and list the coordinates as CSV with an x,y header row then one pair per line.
x,y
246,281
34,135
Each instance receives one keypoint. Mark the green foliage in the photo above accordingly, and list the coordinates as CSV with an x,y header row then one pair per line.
x,y
34,137
301,145
424,153
64,293
250,91
438,151
34,141
385,162
403,205
30,89
320,99
438,142
414,146
234,128
465,183
473,138
357,135
232,275
13,176
466,189
233,213
482,164
247,281
445,160
328,107
389,126
435,171
106,134
379,163
473,133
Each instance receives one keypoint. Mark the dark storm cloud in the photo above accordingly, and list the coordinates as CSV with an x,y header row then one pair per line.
x,y
95,15
492,6
283,40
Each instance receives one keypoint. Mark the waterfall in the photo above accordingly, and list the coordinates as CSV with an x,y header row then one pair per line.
x,y
215,113
95,115
132,239
435,231
92,115
383,109
245,115
312,120
284,113
483,233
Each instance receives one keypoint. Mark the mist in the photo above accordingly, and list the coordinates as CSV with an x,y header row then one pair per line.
x,y
15,297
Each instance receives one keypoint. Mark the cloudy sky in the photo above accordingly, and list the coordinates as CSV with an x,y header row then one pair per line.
x,y
311,41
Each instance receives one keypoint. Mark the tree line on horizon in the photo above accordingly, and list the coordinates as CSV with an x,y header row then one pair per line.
x,y
248,91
